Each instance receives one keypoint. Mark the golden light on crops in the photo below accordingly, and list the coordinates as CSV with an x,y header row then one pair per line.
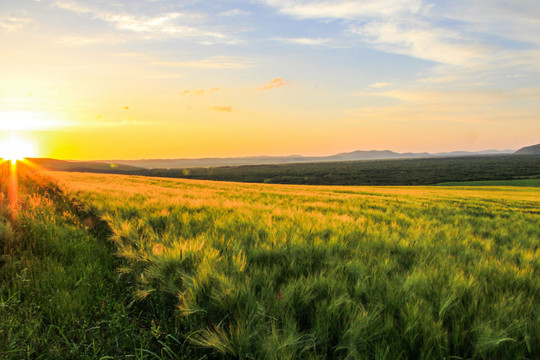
x,y
15,148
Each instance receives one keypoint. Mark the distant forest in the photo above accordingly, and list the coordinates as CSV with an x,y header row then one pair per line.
x,y
367,172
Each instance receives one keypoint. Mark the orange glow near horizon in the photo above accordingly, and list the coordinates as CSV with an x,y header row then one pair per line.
x,y
90,80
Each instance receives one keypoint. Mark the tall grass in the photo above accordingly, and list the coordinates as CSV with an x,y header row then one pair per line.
x,y
286,272
60,294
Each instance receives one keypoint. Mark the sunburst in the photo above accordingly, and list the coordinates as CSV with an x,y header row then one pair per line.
x,y
16,149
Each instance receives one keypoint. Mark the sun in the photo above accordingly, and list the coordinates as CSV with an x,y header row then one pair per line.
x,y
15,149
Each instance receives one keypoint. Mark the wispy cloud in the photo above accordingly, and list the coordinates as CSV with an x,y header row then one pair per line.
x,y
234,12
421,40
216,62
277,82
91,39
395,26
167,76
443,79
193,92
303,41
222,108
446,105
345,9
198,92
11,23
72,6
379,85
457,33
510,20
167,25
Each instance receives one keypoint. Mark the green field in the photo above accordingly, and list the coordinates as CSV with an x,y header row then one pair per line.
x,y
212,270
60,296
519,182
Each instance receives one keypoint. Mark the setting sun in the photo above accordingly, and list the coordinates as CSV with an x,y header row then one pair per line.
x,y
15,149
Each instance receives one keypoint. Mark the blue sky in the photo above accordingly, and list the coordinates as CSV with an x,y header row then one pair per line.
x,y
270,77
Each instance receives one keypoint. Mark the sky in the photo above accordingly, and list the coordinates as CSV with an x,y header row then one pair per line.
x,y
132,79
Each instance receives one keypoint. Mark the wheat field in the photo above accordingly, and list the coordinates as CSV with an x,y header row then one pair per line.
x,y
275,271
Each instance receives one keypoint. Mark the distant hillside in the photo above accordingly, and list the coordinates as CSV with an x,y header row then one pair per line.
x,y
263,160
81,166
400,171
529,150
424,171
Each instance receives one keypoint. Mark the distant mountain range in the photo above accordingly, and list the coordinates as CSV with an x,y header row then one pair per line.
x,y
260,160
126,166
529,150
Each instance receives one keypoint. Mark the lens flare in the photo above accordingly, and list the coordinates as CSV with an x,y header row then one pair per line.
x,y
15,149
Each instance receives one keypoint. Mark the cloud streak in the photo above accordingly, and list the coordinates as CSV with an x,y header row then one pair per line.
x,y
10,23
166,25
420,40
234,12
345,9
222,108
433,105
83,40
456,33
276,83
304,41
199,92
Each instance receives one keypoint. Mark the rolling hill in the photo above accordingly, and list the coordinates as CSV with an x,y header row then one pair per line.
x,y
262,160
81,166
529,150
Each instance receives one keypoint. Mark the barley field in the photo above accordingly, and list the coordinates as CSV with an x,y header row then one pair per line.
x,y
255,271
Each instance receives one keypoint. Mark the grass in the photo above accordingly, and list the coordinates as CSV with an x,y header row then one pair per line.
x,y
60,293
256,271
518,182
209,270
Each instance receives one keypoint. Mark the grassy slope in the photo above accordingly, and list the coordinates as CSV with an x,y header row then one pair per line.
x,y
263,271
60,294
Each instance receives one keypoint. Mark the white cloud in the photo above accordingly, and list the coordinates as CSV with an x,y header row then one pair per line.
x,y
456,33
234,12
10,23
276,83
72,6
82,40
166,25
348,9
421,40
515,20
379,85
303,41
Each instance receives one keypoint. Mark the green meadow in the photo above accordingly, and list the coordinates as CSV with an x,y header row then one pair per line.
x,y
109,266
